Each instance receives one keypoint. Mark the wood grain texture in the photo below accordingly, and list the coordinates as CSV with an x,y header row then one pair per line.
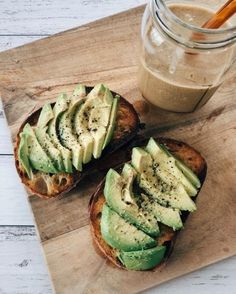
x,y
34,74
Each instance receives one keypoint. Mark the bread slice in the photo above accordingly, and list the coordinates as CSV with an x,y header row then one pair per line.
x,y
48,185
184,152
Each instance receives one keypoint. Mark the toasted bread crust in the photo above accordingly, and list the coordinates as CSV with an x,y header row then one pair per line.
x,y
190,157
48,186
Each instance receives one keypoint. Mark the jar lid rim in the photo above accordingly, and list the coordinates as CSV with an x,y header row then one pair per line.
x,y
161,5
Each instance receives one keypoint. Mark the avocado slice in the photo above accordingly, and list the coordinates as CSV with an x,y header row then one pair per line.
x,y
166,215
37,156
113,192
168,195
60,106
79,92
65,130
99,118
118,233
46,142
76,100
92,120
168,163
128,174
45,116
97,92
188,173
81,127
143,259
23,155
112,121
185,170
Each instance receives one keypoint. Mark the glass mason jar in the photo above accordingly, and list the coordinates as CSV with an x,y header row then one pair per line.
x,y
182,64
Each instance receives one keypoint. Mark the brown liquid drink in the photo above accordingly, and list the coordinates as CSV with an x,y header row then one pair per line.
x,y
172,79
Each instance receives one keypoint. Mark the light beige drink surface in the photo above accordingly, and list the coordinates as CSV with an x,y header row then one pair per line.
x,y
171,79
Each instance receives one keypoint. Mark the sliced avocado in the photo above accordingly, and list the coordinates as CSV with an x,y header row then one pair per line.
x,y
118,233
91,122
166,215
46,143
81,121
167,195
128,174
60,106
23,155
97,128
168,163
188,173
172,167
112,121
45,116
113,192
185,170
77,98
37,156
99,119
79,91
97,92
66,135
143,259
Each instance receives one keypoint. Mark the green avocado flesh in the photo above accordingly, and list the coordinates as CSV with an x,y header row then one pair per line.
x,y
112,121
146,192
23,154
168,163
45,116
165,215
187,172
38,158
155,184
119,234
70,134
68,139
142,260
113,191
60,107
92,121
47,145
99,121
82,130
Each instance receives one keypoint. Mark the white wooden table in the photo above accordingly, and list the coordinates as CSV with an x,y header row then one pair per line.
x,y
22,266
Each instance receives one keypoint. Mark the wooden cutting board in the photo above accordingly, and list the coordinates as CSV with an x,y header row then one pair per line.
x,y
107,51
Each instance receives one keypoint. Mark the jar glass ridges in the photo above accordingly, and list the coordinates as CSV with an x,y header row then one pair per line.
x,y
182,65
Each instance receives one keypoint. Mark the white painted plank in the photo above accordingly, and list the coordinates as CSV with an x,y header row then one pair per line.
x,y
23,270
22,267
8,42
14,208
6,146
39,17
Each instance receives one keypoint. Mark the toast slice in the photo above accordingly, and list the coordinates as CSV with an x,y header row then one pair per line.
x,y
182,151
51,185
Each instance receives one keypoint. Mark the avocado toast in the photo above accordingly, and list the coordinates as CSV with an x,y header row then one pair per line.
x,y
61,142
138,209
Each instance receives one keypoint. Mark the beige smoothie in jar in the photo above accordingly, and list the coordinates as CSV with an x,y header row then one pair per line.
x,y
173,78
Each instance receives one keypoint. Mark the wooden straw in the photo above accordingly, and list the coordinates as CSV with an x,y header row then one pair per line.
x,y
221,16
